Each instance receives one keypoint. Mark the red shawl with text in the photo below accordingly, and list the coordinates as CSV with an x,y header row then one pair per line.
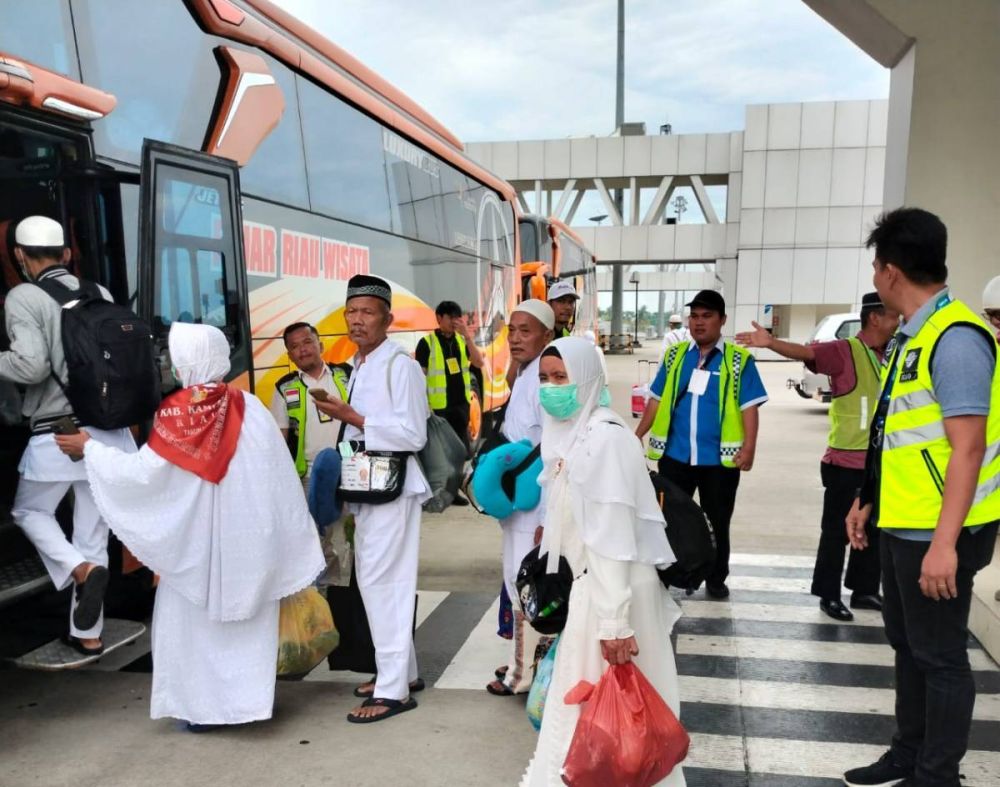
x,y
197,429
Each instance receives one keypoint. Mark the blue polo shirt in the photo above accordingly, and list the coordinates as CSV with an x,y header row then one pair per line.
x,y
695,430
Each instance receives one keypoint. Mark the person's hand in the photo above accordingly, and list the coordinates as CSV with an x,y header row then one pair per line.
x,y
937,572
857,520
72,444
538,535
335,408
460,326
744,459
758,337
619,651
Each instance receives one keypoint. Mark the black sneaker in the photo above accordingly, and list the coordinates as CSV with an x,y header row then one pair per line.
x,y
883,773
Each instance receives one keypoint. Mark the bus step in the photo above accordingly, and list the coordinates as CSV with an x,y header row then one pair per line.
x,y
57,655
21,578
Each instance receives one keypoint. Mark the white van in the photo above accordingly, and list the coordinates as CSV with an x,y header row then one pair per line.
x,y
835,326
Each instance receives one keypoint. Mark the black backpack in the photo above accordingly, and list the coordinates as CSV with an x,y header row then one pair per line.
x,y
690,535
111,363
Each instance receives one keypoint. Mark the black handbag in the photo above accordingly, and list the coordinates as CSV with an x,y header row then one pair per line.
x,y
689,533
544,597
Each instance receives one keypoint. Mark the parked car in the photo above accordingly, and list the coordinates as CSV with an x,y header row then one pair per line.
x,y
834,326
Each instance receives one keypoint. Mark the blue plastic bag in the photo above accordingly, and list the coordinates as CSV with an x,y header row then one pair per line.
x,y
540,686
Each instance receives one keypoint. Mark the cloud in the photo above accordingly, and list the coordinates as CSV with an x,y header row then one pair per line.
x,y
526,69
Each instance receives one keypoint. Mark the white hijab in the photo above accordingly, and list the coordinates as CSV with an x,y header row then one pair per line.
x,y
229,547
595,472
199,353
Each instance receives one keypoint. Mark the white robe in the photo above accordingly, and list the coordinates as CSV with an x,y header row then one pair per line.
x,y
523,421
390,391
225,554
614,599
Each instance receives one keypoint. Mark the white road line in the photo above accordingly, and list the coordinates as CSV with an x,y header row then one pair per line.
x,y
778,613
780,584
807,696
771,561
811,758
428,601
802,650
480,654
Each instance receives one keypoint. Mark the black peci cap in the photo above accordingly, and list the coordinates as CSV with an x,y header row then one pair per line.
x,y
709,299
871,300
362,285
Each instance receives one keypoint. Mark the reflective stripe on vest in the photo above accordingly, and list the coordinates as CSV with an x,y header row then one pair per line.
x,y
297,411
734,359
437,376
915,449
851,413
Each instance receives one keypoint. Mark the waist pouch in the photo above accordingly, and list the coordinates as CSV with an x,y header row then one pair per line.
x,y
372,476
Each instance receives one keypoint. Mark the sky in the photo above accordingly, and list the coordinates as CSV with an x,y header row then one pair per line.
x,y
545,69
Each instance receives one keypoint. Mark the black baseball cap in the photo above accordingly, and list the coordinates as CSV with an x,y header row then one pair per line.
x,y
709,299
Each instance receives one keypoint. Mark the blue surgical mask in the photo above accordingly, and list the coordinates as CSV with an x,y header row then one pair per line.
x,y
605,400
559,401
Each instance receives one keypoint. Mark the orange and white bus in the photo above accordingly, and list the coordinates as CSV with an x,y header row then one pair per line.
x,y
550,250
219,162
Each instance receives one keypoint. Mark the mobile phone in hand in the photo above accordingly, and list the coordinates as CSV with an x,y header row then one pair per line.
x,y
65,425
319,394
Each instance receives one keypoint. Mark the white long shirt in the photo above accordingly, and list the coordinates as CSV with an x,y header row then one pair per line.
x,y
523,421
393,401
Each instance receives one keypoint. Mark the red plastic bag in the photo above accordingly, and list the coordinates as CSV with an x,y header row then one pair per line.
x,y
627,736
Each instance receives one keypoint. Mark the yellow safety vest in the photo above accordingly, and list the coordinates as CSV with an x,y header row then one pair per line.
x,y
915,449
296,396
734,360
851,413
437,375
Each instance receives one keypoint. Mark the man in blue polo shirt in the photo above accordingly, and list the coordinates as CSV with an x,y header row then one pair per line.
x,y
703,427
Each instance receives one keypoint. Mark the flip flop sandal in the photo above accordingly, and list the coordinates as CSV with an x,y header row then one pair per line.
x,y
90,598
506,691
417,685
395,708
74,642
501,673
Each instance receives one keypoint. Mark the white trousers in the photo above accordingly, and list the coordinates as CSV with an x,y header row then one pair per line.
x,y
518,542
387,551
34,511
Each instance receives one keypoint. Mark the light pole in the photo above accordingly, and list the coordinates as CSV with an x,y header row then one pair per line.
x,y
634,279
598,219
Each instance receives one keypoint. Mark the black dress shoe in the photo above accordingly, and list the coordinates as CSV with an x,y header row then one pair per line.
x,y
717,590
873,601
835,608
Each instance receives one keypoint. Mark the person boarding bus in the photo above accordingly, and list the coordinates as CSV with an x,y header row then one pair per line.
x,y
36,360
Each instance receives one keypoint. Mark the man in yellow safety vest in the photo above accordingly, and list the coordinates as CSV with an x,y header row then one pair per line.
x,y
854,366
447,357
932,484
307,429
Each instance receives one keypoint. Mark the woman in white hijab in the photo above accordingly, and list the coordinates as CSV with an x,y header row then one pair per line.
x,y
604,519
213,505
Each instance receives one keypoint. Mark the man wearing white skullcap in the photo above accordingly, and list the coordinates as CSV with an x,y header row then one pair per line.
x,y
36,360
530,329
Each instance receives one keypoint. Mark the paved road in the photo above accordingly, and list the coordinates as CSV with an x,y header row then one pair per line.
x,y
773,692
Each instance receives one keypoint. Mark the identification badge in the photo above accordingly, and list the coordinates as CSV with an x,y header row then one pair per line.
x,y
699,382
452,364
355,473
911,362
